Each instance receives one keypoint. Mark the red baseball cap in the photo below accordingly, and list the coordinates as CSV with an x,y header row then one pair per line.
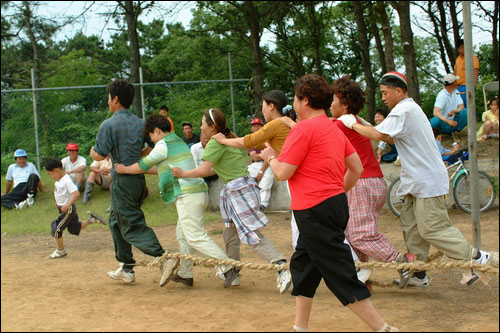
x,y
72,146
257,121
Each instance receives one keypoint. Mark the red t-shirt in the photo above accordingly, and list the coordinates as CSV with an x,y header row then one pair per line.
x,y
318,148
363,146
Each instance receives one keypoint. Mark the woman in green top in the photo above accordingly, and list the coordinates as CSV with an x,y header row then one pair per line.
x,y
240,197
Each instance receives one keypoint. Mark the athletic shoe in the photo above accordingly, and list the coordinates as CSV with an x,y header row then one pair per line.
x,y
404,274
22,204
285,281
230,275
94,218
364,274
30,200
167,270
188,282
120,274
415,282
58,254
484,259
220,275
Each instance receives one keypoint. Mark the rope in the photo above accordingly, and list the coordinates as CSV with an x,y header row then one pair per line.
x,y
415,266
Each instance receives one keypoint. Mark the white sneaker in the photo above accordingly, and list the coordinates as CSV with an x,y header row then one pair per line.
x,y
120,274
415,282
484,259
30,200
364,274
167,270
220,275
22,204
58,254
285,280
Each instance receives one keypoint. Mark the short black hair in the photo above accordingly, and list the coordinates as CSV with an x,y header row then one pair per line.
x,y
156,121
164,107
436,131
460,42
187,123
52,163
124,90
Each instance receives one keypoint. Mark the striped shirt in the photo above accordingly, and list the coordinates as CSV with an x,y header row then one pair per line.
x,y
122,137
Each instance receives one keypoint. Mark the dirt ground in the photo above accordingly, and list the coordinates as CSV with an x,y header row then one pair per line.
x,y
74,293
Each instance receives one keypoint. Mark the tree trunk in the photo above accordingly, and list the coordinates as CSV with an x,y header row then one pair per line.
x,y
316,37
456,28
495,39
444,33
365,59
257,66
438,37
409,56
131,15
387,31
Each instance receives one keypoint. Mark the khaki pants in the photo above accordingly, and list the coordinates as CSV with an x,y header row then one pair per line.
x,y
191,233
425,222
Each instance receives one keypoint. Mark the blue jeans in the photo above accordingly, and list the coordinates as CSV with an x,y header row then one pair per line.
x,y
462,88
460,118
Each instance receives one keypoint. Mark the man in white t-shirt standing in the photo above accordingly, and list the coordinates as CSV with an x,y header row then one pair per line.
x,y
75,166
424,180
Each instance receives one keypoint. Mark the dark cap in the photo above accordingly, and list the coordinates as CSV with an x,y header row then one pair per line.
x,y
394,79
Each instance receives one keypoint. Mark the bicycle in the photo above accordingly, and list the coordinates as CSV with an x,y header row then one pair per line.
x,y
460,182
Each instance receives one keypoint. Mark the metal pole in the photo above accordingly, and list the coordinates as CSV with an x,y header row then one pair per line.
x,y
231,86
142,93
35,120
471,124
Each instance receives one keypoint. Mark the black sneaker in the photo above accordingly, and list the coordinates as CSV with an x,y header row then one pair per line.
x,y
405,274
188,282
230,275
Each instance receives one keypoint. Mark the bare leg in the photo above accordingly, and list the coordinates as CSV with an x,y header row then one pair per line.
x,y
303,307
365,310
60,243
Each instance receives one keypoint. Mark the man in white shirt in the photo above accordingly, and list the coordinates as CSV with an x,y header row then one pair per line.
x,y
424,180
75,166
449,112
25,178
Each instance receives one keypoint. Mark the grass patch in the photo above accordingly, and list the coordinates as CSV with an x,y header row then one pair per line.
x,y
38,218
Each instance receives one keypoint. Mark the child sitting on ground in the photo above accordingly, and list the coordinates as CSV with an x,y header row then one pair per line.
x,y
66,193
448,155
490,121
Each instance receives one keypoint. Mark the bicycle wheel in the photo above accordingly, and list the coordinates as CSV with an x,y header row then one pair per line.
x,y
393,200
486,193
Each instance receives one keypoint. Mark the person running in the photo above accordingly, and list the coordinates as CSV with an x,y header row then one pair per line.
x,y
122,137
367,197
424,180
190,196
314,159
240,197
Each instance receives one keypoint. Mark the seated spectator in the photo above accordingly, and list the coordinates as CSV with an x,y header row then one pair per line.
x,y
189,138
26,180
449,112
100,173
197,150
164,112
382,155
489,128
75,166
448,155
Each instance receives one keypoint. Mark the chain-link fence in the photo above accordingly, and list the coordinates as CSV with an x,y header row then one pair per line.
x,y
74,114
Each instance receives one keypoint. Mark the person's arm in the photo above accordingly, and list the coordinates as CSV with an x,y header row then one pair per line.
x,y
354,171
263,169
288,121
451,152
96,170
379,154
369,132
132,169
234,142
79,169
96,156
457,110
40,186
8,186
204,170
437,113
281,170
255,157
476,76
74,196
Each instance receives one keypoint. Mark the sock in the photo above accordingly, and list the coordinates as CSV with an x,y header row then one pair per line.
x,y
421,275
299,329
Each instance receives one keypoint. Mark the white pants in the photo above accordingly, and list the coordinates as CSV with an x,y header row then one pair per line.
x,y
265,184
191,234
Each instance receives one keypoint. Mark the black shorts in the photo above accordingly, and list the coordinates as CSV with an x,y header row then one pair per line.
x,y
322,253
66,220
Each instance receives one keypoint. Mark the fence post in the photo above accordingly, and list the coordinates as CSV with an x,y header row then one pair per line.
x,y
231,86
35,120
471,125
142,93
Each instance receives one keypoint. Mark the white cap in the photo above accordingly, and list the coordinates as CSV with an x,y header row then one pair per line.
x,y
450,78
